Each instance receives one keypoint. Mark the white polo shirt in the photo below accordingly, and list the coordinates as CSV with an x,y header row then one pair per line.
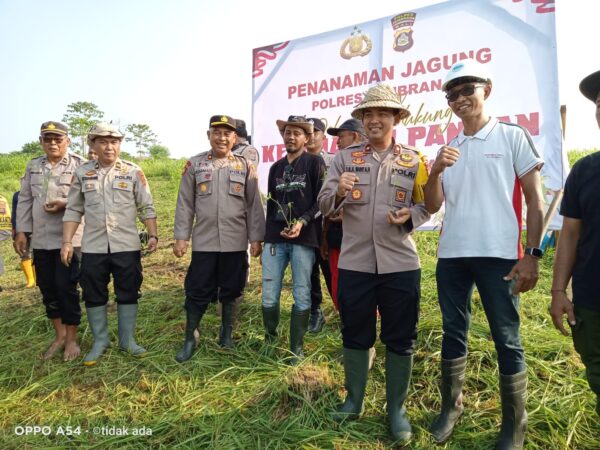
x,y
483,194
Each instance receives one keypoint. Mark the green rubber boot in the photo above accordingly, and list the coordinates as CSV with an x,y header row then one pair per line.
x,y
271,321
356,369
513,393
225,339
99,325
192,320
127,315
397,378
453,378
298,327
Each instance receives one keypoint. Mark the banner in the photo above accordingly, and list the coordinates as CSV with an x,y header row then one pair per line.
x,y
325,76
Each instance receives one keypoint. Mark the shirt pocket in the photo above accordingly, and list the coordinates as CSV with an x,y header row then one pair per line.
x,y
90,192
122,191
400,191
64,184
360,193
37,185
237,184
204,183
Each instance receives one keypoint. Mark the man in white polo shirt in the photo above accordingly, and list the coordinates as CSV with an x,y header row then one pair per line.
x,y
481,176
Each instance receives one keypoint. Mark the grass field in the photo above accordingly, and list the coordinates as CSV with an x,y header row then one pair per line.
x,y
247,398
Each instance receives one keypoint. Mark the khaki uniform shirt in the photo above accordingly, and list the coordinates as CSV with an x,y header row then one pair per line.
x,y
41,184
247,151
222,196
110,198
387,182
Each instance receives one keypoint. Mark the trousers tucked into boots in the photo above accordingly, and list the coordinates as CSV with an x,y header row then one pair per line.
x,y
227,318
271,321
453,378
127,319
397,379
99,325
356,369
192,320
298,327
513,393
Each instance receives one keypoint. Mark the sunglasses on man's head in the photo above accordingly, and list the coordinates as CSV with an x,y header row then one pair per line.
x,y
465,91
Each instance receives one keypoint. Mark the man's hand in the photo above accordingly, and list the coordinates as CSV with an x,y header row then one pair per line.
x,y
446,157
55,206
399,217
152,245
338,217
346,183
66,253
526,273
20,244
255,249
294,232
560,306
180,247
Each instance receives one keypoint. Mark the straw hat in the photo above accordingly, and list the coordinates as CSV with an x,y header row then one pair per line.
x,y
380,96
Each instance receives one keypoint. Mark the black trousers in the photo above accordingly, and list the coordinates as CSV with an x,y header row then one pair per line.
x,y
212,272
396,295
58,285
316,293
96,269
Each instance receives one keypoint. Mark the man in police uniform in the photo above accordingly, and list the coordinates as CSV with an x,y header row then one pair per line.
x,y
242,146
380,187
42,201
219,205
111,193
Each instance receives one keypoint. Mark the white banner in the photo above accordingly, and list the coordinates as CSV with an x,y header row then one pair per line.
x,y
326,75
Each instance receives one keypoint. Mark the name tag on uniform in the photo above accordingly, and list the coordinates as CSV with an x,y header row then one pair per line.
x,y
122,185
359,169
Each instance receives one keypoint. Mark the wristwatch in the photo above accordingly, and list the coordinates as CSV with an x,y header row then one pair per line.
x,y
535,252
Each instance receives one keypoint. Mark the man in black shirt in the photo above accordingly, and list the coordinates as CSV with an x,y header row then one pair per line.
x,y
292,234
578,254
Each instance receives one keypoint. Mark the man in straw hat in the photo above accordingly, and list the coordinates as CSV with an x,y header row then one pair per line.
x,y
40,210
481,174
380,187
292,236
578,254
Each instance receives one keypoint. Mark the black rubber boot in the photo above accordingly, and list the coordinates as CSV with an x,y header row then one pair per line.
x,y
356,369
513,393
271,321
397,379
453,378
189,345
298,327
227,311
316,321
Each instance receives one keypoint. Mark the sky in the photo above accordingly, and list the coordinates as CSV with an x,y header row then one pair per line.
x,y
172,64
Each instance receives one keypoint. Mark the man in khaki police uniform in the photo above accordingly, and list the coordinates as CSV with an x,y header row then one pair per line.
x,y
42,201
110,192
219,205
380,187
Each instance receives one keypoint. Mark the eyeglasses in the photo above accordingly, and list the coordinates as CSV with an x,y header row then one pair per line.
x,y
50,139
465,91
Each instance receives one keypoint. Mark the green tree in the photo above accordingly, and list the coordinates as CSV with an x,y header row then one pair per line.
x,y
32,148
142,135
159,151
80,117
